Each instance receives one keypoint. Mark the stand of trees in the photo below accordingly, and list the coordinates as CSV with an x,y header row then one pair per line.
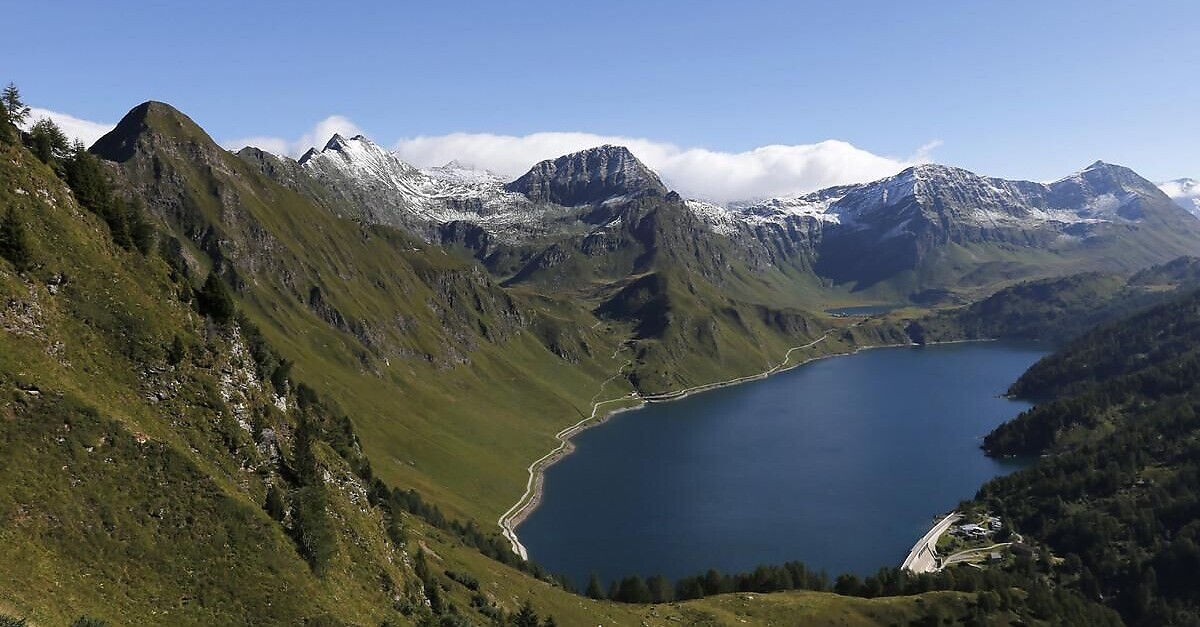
x,y
1021,588
1118,494
14,244
82,171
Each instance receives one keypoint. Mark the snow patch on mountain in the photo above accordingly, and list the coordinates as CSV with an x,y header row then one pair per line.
x,y
719,219
456,172
1185,193
411,197
397,193
1096,194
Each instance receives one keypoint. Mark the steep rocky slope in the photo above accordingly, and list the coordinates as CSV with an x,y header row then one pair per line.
x,y
588,177
936,227
162,463
931,233
409,338
154,471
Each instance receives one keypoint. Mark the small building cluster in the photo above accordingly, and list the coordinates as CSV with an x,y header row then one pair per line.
x,y
989,526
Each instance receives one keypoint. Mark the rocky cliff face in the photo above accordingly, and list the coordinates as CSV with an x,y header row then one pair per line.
x,y
588,177
146,442
869,233
928,227
382,291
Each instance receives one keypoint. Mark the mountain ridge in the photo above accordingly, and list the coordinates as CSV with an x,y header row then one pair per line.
x,y
1185,192
929,229
172,381
589,176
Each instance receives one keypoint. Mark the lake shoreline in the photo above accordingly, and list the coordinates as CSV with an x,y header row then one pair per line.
x,y
534,489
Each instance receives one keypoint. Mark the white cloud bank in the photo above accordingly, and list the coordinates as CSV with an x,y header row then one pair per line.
x,y
1181,188
776,170
85,131
1185,193
316,137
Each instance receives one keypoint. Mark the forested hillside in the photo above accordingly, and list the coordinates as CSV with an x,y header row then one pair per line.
x,y
1061,308
166,459
1117,492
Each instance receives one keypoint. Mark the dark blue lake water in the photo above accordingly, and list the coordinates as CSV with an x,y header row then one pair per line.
x,y
840,464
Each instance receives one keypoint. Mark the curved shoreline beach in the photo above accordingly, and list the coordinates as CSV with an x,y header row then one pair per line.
x,y
511,519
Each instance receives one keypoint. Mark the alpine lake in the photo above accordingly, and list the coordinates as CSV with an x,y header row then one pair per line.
x,y
841,464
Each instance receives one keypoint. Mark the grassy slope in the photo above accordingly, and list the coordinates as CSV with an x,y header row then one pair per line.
x,y
125,523
458,433
134,511
139,512
698,314
1060,308
1116,490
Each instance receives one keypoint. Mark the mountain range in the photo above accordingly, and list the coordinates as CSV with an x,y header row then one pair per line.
x,y
929,232
307,389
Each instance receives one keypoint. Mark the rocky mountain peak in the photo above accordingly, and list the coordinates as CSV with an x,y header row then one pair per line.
x,y
337,142
1185,192
151,118
589,176
308,155
356,153
1102,179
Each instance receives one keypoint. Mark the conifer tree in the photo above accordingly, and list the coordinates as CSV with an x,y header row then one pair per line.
x,y
594,589
214,300
660,589
274,504
48,142
8,135
526,616
633,589
15,111
14,245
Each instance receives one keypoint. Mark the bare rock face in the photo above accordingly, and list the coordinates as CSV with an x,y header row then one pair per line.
x,y
588,177
875,231
929,226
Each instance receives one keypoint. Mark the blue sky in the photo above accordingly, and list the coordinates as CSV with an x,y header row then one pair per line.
x,y
1019,89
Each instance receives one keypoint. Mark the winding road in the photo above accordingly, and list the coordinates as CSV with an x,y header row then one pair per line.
x,y
511,519
972,554
516,514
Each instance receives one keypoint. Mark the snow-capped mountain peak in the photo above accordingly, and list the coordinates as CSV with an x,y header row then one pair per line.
x,y
359,153
458,172
335,142
391,191
1185,192
1102,192
588,176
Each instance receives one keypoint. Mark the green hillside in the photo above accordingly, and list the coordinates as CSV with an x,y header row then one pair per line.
x,y
1115,495
141,440
1060,308
220,403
